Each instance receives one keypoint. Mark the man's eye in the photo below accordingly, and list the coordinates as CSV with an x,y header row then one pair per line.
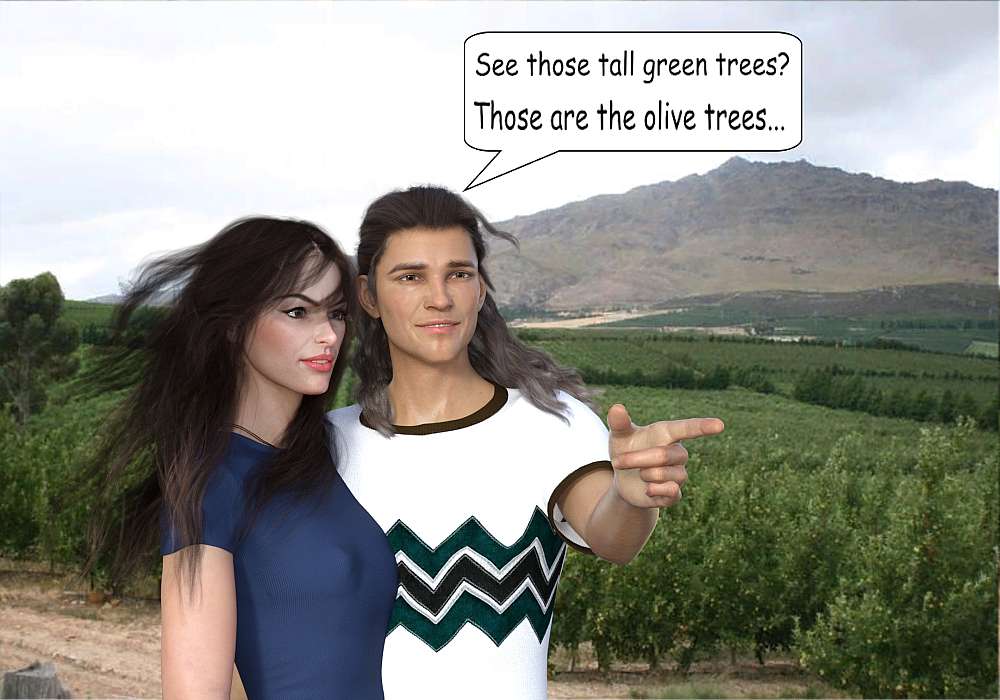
x,y
409,277
461,274
297,312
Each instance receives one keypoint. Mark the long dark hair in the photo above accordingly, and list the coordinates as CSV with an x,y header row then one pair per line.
x,y
494,352
162,443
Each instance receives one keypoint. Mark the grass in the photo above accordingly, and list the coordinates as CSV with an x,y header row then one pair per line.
x,y
87,312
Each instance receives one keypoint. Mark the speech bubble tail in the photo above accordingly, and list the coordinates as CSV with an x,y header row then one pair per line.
x,y
504,162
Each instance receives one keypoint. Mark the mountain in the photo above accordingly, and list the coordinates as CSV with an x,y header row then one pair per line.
x,y
159,299
106,299
748,226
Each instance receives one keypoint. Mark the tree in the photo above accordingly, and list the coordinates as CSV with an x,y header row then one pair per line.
x,y
923,407
36,345
947,408
967,406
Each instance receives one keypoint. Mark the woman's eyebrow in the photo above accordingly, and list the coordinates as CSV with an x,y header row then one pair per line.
x,y
303,297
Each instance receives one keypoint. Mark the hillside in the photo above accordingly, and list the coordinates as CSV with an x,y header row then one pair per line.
x,y
747,227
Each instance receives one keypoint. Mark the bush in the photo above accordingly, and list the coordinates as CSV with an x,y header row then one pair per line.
x,y
919,619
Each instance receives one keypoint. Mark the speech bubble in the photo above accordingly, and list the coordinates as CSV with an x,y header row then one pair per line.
x,y
530,95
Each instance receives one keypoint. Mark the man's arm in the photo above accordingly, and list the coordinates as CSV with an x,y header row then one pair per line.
x,y
614,529
616,510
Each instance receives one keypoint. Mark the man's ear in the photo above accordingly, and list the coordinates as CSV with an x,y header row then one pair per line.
x,y
365,297
482,294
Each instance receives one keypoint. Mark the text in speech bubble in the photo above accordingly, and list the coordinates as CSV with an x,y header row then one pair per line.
x,y
530,95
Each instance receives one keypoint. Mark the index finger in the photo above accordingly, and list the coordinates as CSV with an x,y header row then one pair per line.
x,y
690,428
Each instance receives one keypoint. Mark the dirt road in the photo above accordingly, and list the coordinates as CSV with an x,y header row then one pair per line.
x,y
113,651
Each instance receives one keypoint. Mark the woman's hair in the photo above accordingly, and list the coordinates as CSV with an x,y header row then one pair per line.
x,y
162,443
494,352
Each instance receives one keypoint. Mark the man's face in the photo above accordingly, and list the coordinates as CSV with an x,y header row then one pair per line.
x,y
428,293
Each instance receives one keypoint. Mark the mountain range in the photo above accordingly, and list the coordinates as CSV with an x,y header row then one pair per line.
x,y
745,227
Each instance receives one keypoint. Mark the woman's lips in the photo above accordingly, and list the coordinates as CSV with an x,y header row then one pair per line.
x,y
319,365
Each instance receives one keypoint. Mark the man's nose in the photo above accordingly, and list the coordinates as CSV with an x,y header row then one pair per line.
x,y
438,295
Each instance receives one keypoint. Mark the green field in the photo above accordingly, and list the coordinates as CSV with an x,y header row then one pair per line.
x,y
847,330
804,433
804,530
984,349
86,312
651,350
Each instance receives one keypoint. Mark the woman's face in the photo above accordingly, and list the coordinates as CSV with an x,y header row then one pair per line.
x,y
428,293
293,345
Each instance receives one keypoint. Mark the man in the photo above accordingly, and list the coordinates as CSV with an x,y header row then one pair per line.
x,y
480,458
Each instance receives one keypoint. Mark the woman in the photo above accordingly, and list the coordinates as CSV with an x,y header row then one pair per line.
x,y
293,579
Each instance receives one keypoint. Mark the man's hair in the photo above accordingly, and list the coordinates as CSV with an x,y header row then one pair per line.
x,y
494,352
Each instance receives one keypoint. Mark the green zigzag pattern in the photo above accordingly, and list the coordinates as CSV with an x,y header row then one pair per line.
x,y
468,608
473,535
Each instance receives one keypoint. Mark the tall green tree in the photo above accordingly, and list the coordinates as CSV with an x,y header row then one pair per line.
x,y
36,345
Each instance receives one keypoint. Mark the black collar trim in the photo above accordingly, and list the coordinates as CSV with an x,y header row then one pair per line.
x,y
498,401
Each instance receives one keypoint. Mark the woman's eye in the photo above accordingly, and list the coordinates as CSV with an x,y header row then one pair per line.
x,y
297,312
337,315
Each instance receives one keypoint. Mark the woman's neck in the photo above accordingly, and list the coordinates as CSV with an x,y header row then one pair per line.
x,y
266,410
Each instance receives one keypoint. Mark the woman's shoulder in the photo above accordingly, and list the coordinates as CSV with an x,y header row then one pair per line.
x,y
242,456
344,417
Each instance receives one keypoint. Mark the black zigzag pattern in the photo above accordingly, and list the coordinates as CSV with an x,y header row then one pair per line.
x,y
467,569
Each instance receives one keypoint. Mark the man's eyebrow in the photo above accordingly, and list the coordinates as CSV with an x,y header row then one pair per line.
x,y
423,266
407,266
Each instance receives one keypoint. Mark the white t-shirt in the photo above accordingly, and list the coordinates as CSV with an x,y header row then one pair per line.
x,y
469,508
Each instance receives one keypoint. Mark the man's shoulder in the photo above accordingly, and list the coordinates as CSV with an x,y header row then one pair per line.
x,y
574,415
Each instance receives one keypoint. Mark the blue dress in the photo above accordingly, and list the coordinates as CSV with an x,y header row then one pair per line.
x,y
314,586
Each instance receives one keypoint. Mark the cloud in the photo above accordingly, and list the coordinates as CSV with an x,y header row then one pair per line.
x,y
131,128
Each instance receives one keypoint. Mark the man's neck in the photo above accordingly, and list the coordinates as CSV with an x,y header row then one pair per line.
x,y
431,394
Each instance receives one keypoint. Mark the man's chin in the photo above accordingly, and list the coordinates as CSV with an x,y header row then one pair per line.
x,y
438,358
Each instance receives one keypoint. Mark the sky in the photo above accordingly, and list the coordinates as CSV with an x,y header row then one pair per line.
x,y
131,129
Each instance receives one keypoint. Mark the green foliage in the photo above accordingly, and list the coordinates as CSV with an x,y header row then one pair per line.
x,y
784,527
866,545
782,364
679,377
40,516
85,313
918,619
36,345
833,387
